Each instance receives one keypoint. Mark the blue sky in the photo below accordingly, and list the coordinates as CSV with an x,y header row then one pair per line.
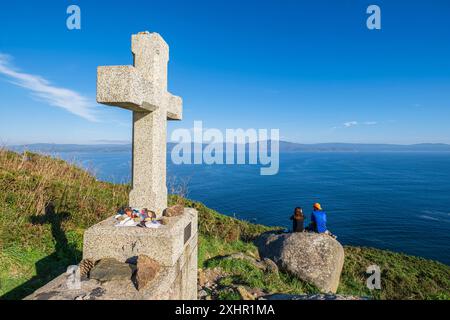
x,y
311,69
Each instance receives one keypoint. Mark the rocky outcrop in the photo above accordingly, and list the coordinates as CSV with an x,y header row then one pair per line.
x,y
315,258
210,286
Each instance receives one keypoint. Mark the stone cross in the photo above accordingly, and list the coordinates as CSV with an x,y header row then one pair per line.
x,y
142,88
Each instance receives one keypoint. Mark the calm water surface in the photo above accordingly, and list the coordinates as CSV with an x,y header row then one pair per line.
x,y
396,201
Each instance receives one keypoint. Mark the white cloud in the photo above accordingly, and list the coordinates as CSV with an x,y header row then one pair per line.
x,y
350,124
64,98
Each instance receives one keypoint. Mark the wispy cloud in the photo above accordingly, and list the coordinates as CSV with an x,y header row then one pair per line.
x,y
350,124
64,98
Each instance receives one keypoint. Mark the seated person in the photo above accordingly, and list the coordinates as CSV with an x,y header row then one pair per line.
x,y
318,220
298,220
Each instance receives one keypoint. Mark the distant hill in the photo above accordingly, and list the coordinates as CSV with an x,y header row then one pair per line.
x,y
55,148
354,147
284,147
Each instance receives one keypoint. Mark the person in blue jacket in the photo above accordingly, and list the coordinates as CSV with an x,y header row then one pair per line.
x,y
318,220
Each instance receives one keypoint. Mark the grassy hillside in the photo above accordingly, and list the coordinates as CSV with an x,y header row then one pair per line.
x,y
46,204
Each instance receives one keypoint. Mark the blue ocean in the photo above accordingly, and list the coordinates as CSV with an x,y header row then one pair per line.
x,y
389,200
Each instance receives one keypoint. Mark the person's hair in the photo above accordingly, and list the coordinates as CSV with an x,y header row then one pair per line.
x,y
298,213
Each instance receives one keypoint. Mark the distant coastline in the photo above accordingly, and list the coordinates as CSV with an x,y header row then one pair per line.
x,y
285,147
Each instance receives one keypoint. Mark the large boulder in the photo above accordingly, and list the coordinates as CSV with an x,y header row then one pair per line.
x,y
314,258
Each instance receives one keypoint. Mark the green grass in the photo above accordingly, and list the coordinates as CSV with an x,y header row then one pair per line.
x,y
402,276
244,273
46,204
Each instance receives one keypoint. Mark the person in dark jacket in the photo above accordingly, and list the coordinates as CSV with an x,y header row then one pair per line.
x,y
298,219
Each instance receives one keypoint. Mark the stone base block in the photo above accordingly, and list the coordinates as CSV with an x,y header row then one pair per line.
x,y
165,244
173,246
178,282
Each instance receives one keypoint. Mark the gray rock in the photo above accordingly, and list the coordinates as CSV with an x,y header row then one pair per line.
x,y
242,256
314,258
110,269
270,265
202,294
174,211
245,295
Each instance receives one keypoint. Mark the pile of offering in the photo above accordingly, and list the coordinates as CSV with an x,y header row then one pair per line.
x,y
133,217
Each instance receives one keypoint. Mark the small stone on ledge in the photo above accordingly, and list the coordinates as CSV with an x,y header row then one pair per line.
x,y
174,211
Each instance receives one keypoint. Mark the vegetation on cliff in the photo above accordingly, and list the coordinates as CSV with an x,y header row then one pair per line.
x,y
46,204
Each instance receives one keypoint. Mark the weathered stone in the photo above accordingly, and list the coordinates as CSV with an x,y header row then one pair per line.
x,y
147,270
242,256
201,279
270,265
257,292
172,283
176,254
142,88
209,277
110,269
245,295
174,211
164,221
164,244
202,294
315,258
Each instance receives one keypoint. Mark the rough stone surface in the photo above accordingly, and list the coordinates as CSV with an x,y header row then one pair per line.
x,y
147,270
177,282
174,211
164,244
270,265
245,295
315,258
142,88
110,269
